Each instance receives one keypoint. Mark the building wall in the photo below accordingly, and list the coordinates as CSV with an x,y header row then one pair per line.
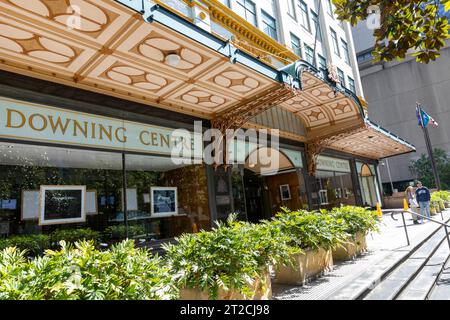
x,y
392,90
287,15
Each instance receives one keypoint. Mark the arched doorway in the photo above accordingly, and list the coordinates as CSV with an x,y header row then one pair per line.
x,y
367,180
271,181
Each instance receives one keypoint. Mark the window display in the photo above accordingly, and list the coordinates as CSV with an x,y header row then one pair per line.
x,y
58,188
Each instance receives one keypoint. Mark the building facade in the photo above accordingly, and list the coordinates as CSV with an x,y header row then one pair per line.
x,y
93,97
392,90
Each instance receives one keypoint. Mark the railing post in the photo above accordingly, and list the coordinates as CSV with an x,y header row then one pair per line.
x,y
442,215
406,229
446,235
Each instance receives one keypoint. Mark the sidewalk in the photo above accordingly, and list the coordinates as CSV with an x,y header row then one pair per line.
x,y
349,278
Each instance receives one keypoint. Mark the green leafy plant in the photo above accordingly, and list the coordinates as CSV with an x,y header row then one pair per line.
x,y
421,25
309,230
81,272
119,231
225,258
33,244
74,235
356,219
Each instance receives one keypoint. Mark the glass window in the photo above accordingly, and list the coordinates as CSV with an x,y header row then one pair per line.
x,y
322,63
24,169
162,199
317,32
330,9
309,54
247,10
346,52
304,19
166,198
296,45
341,77
331,189
291,9
351,85
335,42
269,25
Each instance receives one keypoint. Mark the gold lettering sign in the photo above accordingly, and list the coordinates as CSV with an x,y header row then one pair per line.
x,y
32,122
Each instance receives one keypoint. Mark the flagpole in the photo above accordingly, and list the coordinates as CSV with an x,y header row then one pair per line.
x,y
430,150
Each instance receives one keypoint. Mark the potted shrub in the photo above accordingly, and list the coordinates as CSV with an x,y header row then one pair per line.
x,y
313,235
230,262
358,222
433,210
81,272
74,235
33,244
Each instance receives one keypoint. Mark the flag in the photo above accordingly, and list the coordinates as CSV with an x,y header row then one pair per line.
x,y
424,118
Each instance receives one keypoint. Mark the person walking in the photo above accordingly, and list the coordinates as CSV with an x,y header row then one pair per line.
x,y
423,196
413,205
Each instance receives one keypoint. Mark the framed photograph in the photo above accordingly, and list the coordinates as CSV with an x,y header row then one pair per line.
x,y
91,202
62,205
164,201
285,192
30,205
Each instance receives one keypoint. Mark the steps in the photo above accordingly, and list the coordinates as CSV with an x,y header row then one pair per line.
x,y
418,274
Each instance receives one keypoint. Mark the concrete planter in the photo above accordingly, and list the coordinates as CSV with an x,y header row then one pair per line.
x,y
261,288
306,266
351,249
433,211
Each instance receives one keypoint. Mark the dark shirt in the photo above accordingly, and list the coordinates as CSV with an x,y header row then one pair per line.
x,y
423,194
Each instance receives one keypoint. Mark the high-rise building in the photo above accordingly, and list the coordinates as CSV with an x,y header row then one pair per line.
x,y
392,90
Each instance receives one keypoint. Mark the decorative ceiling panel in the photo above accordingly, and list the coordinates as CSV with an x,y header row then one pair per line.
x,y
150,44
33,47
320,106
96,21
370,143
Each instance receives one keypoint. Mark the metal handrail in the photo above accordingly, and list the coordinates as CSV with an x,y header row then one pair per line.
x,y
402,211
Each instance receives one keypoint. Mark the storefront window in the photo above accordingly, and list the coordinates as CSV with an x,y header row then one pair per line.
x,y
333,189
333,184
26,170
166,199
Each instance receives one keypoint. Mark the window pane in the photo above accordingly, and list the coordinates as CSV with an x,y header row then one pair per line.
x,y
335,42
341,77
309,54
25,168
269,25
322,63
247,10
351,85
296,46
346,52
317,32
304,20
168,199
291,8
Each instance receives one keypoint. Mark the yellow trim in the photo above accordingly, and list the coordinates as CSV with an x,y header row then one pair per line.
x,y
244,31
239,26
